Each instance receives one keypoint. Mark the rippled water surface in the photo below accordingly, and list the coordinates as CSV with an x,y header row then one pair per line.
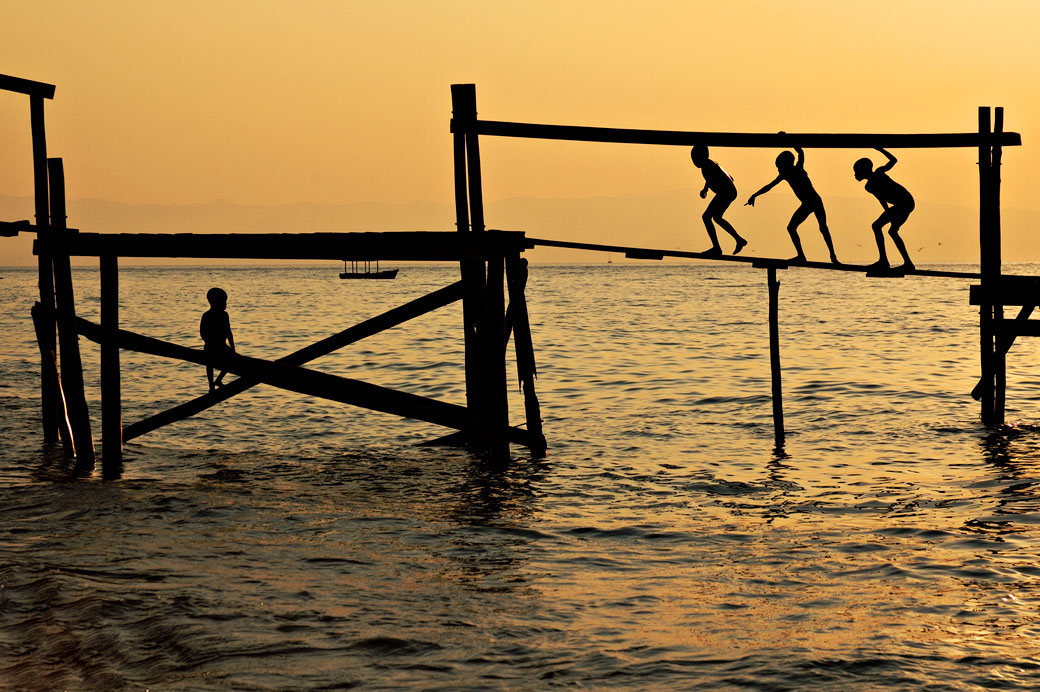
x,y
279,542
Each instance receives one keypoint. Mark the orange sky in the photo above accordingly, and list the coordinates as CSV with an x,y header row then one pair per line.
x,y
262,102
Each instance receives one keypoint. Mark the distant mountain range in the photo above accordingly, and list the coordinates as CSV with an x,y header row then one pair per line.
x,y
669,220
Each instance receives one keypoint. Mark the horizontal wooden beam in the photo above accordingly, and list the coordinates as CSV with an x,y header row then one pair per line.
x,y
26,86
369,327
390,245
757,262
1012,290
9,229
1017,327
770,140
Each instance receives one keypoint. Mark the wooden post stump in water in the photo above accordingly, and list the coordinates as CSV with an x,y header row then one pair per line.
x,y
516,280
68,336
774,356
43,320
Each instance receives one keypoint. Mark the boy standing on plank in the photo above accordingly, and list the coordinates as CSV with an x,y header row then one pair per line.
x,y
794,173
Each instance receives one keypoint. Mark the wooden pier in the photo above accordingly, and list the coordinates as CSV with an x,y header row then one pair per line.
x,y
993,292
492,284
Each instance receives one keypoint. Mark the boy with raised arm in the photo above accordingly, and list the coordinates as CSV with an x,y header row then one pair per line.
x,y
721,183
896,200
215,330
794,173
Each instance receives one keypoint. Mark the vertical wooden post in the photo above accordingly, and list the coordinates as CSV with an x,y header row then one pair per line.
x,y
52,408
989,281
111,404
68,337
464,114
774,356
516,280
999,355
494,366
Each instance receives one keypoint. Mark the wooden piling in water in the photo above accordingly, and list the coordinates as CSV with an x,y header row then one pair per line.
x,y
526,370
464,113
992,363
68,337
111,395
51,404
496,410
774,356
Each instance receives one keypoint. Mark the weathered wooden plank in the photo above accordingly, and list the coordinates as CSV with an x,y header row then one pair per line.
x,y
392,245
362,330
498,128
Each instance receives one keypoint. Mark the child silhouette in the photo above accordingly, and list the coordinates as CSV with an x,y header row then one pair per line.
x,y
794,173
721,183
215,329
896,200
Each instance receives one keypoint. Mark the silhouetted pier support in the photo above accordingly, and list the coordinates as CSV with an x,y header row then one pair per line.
x,y
111,386
68,337
52,407
485,424
993,363
484,312
774,356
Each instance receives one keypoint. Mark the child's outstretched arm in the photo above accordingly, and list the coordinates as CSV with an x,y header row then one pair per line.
x,y
887,166
800,163
764,189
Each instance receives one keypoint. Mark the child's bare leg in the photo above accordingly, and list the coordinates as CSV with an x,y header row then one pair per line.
x,y
728,227
209,376
880,239
220,378
716,249
821,218
800,214
893,231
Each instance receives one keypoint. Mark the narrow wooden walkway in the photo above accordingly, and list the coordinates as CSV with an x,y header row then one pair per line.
x,y
757,262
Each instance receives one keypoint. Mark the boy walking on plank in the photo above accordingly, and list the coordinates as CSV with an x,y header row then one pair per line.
x,y
721,183
794,173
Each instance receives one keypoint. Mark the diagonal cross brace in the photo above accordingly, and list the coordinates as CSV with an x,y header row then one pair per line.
x,y
387,320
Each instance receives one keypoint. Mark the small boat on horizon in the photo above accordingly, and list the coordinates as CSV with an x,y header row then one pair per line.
x,y
367,273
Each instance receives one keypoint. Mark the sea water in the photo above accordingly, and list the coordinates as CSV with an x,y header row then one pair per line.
x,y
282,542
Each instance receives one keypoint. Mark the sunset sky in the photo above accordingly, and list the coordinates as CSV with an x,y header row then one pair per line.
x,y
343,102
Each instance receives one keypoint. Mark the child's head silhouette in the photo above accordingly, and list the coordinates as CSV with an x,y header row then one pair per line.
x,y
784,161
862,168
217,297
699,154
